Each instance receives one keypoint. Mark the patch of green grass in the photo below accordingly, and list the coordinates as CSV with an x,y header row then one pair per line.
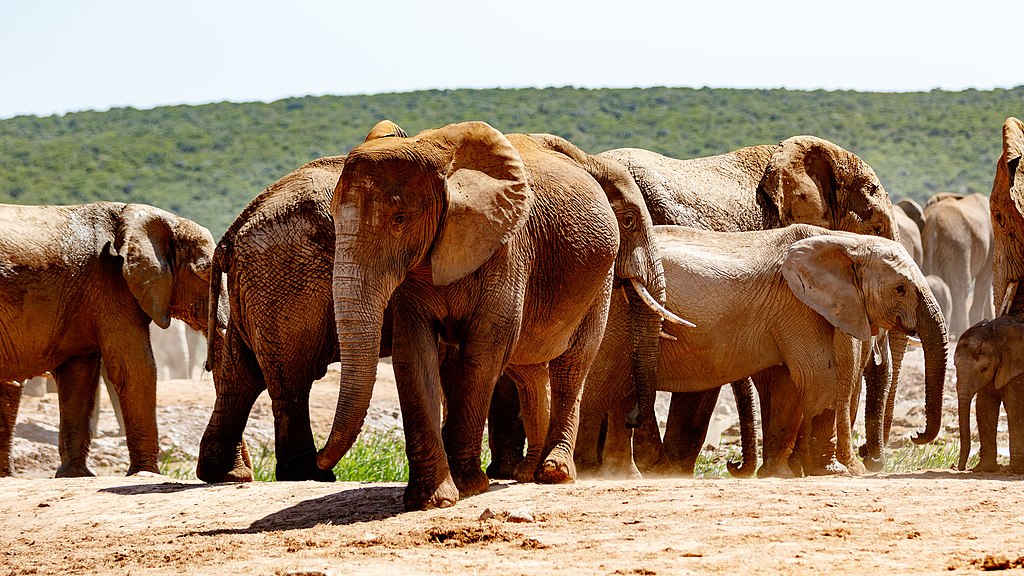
x,y
912,457
376,456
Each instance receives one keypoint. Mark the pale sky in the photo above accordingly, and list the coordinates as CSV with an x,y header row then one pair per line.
x,y
61,56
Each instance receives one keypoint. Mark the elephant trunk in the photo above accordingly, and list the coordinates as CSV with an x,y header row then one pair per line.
x,y
646,333
931,328
877,383
359,314
743,391
964,414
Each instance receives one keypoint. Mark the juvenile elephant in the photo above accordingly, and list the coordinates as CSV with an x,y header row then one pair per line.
x,y
804,297
81,284
802,179
958,247
496,246
989,361
1007,211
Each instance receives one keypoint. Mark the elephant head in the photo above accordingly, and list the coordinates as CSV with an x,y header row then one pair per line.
x,y
864,284
438,205
813,181
986,355
1007,206
167,264
638,268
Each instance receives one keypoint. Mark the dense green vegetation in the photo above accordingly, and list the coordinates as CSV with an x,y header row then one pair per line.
x,y
207,162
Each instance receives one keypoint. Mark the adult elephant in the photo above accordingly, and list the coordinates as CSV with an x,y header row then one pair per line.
x,y
958,247
277,257
909,233
989,363
496,246
803,179
802,296
1007,211
637,266
81,284
913,210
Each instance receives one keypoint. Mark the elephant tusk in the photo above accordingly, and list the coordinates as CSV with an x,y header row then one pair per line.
x,y
914,340
1011,292
657,307
667,336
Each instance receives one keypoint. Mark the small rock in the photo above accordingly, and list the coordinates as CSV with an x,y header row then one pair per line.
x,y
487,514
521,515
309,573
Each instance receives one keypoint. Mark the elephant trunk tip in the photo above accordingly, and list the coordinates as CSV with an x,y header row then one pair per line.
x,y
924,437
636,416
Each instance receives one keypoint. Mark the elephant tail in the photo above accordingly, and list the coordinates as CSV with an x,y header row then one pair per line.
x,y
217,320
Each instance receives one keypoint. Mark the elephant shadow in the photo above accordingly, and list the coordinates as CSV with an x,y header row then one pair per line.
x,y
951,474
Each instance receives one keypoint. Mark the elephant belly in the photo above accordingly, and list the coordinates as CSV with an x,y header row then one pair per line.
x,y
686,367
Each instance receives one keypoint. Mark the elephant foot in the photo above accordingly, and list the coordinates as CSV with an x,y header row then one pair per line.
x,y
526,469
503,468
134,469
239,472
741,469
302,468
1014,468
986,467
420,496
612,471
772,470
558,468
74,471
469,478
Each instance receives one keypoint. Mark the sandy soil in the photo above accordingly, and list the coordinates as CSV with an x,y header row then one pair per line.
x,y
921,522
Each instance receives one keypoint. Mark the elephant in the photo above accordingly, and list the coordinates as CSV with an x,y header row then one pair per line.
x,y
989,361
277,258
173,351
506,433
803,179
912,210
1007,212
941,292
958,247
909,233
494,245
82,283
802,296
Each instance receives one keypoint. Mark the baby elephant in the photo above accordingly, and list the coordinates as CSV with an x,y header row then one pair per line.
x,y
989,362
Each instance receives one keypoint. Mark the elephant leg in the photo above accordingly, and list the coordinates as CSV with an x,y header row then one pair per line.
x,y
77,381
534,397
1013,403
469,387
781,419
115,400
981,304
820,439
10,398
238,381
987,409
133,375
567,374
689,417
506,436
293,435
418,376
617,460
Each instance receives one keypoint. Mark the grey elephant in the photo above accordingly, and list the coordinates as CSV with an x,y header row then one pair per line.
x,y
82,284
1007,212
942,296
801,296
989,361
802,179
958,247
500,248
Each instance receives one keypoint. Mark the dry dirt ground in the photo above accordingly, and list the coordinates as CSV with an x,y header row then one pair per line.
x,y
927,521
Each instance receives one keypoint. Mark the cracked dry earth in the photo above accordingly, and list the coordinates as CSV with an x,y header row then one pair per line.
x,y
927,521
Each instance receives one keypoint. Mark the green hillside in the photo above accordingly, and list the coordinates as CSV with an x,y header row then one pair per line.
x,y
206,162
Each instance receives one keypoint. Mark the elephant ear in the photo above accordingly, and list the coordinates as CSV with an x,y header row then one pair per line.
x,y
1013,149
144,240
488,199
800,181
385,129
822,274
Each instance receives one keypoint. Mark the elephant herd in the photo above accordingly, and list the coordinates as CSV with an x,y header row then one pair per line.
x,y
521,284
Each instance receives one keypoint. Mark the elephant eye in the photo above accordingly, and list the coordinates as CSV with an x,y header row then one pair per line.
x,y
398,219
628,222
999,218
901,290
